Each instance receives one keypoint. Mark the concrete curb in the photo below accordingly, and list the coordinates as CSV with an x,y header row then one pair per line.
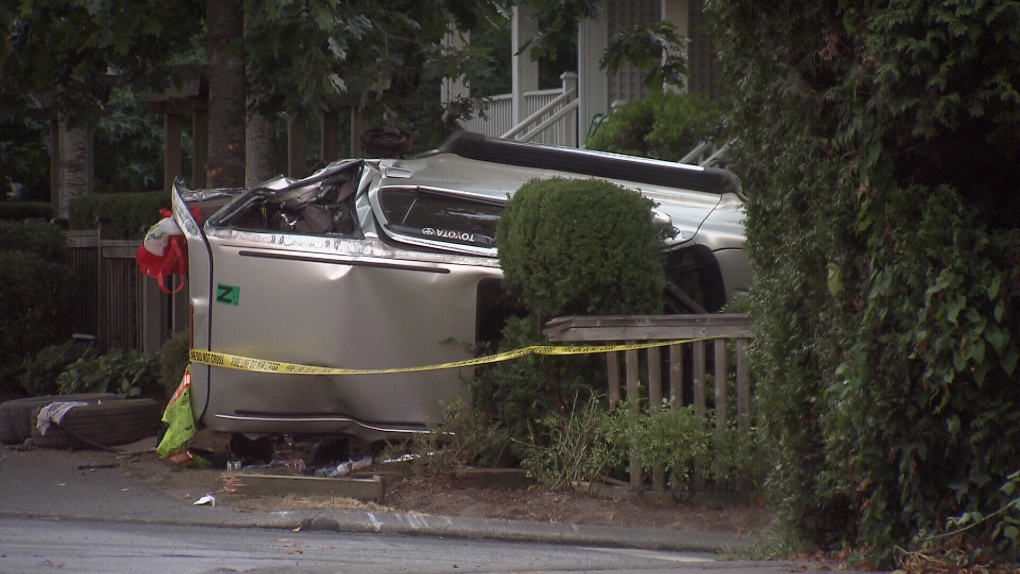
x,y
440,526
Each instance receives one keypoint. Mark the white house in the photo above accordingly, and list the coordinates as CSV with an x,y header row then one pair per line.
x,y
566,115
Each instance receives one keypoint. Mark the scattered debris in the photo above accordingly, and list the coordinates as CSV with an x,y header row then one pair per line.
x,y
207,499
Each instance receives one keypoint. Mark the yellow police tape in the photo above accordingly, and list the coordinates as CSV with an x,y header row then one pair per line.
x,y
262,366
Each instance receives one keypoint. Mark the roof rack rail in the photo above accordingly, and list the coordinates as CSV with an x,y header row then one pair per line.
x,y
472,145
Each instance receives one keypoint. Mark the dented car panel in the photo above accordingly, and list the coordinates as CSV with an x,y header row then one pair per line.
x,y
381,264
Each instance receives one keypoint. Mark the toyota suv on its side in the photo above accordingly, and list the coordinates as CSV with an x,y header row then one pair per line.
x,y
382,263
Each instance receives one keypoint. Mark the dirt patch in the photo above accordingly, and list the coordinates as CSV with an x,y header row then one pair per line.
x,y
449,495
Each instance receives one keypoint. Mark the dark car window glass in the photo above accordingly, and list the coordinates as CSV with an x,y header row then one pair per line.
x,y
440,217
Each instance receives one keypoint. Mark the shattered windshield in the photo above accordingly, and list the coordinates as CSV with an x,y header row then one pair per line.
x,y
441,217
317,205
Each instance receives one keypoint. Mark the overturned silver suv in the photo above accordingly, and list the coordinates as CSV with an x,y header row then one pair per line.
x,y
393,263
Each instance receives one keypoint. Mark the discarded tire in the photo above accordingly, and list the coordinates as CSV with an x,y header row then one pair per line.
x,y
102,424
17,422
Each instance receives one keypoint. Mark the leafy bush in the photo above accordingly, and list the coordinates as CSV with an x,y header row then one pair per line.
x,y
127,373
464,437
882,228
514,394
575,447
42,239
40,376
590,440
567,247
22,210
173,361
578,247
35,300
662,126
130,215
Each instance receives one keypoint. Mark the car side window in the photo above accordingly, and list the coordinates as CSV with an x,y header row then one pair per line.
x,y
442,217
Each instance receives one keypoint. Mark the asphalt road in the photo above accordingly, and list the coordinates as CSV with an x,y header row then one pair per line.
x,y
29,545
57,515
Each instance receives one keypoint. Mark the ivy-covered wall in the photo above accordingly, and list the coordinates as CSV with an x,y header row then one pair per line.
x,y
879,146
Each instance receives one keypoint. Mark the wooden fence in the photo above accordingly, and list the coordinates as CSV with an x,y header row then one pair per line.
x,y
114,305
685,379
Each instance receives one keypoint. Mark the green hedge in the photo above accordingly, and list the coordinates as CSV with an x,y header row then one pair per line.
x,y
567,247
35,303
43,239
130,215
22,210
581,247
877,149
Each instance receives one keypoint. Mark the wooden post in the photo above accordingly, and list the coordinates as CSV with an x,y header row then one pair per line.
x,y
637,479
655,402
720,383
676,375
613,374
699,402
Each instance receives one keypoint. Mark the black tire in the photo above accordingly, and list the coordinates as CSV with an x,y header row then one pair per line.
x,y
17,422
105,424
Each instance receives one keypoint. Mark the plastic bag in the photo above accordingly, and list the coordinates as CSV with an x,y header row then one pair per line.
x,y
164,251
174,444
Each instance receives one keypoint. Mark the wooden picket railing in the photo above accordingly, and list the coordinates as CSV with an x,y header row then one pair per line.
x,y
685,379
115,306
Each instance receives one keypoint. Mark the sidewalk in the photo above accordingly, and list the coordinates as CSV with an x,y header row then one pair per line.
x,y
89,485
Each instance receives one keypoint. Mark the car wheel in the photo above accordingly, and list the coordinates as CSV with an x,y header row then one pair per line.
x,y
103,424
17,422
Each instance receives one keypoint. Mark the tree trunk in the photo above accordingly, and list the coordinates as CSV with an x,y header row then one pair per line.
x,y
261,150
227,94
75,166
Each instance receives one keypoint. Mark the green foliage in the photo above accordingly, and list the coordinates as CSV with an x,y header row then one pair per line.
x,y
129,145
662,126
45,240
681,439
127,373
35,300
24,157
173,361
22,210
464,437
587,442
66,46
939,297
876,144
575,247
40,376
516,393
129,215
579,448
656,47
301,53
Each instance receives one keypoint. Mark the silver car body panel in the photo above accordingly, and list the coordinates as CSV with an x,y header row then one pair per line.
x,y
371,293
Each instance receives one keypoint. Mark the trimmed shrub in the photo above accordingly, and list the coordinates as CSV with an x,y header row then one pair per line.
x,y
45,240
35,301
581,247
22,210
130,215
567,247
